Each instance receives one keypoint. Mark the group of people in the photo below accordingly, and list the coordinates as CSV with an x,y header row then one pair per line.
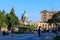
x,y
39,31
7,32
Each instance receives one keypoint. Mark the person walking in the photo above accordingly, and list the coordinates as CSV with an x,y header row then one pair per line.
x,y
12,31
39,30
3,33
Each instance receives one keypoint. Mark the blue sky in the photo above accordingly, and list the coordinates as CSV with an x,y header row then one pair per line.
x,y
32,7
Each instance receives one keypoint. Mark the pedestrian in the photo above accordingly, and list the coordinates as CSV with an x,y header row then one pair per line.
x,y
45,30
12,31
39,30
3,33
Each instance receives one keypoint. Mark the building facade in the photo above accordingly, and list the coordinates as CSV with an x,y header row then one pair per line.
x,y
42,25
46,15
45,26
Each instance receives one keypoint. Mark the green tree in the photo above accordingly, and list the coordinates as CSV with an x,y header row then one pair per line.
x,y
57,37
8,20
3,19
12,19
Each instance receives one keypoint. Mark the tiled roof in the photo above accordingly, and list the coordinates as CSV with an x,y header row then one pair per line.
x,y
44,11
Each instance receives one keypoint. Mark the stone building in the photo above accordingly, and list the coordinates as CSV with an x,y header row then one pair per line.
x,y
45,26
46,15
3,29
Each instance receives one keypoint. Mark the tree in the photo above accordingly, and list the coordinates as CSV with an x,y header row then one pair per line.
x,y
8,21
57,37
12,19
2,19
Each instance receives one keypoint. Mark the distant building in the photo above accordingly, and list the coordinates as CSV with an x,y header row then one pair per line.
x,y
42,25
21,22
45,25
46,15
3,29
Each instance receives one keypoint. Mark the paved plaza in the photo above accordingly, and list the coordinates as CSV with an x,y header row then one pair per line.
x,y
44,36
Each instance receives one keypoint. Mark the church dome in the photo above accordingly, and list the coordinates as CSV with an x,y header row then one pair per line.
x,y
25,14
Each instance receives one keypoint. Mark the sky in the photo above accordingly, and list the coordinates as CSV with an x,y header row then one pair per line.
x,y
32,7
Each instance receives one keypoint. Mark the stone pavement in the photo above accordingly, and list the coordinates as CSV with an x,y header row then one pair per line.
x,y
44,36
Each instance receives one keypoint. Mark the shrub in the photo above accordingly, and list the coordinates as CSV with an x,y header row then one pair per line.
x,y
57,38
26,29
